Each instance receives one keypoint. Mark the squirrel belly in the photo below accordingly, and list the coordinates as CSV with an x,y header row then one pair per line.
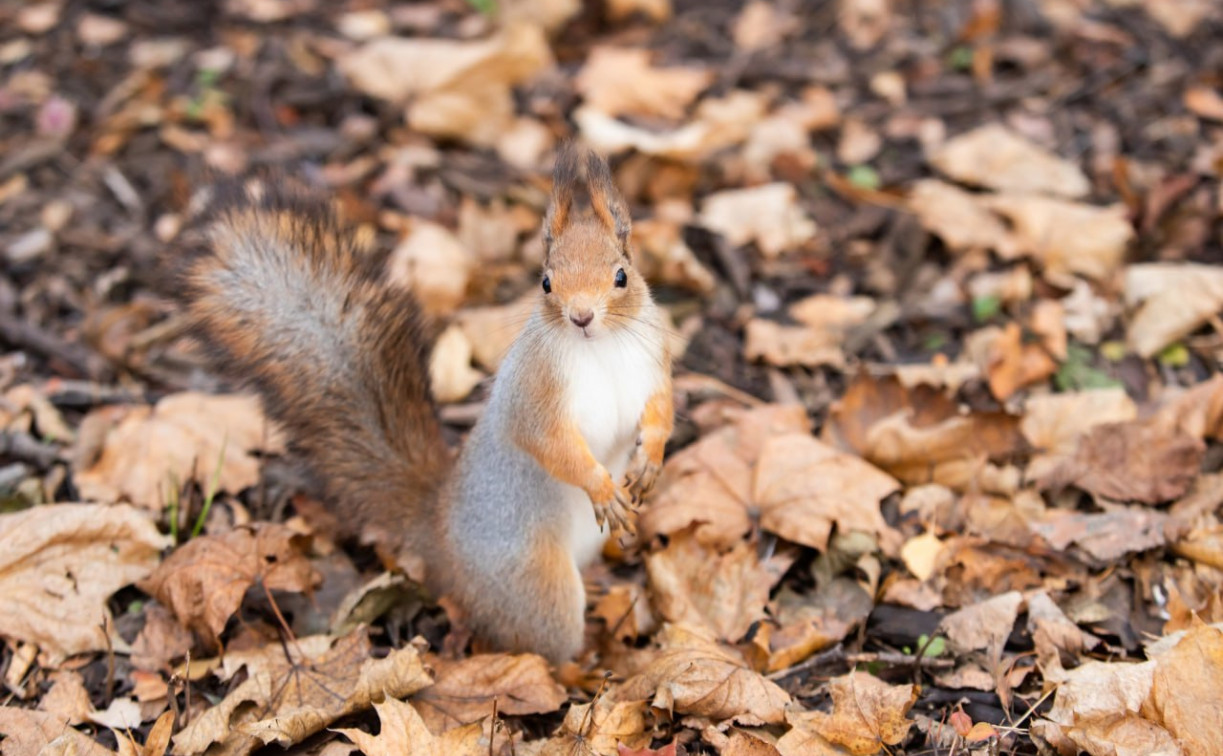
x,y
507,516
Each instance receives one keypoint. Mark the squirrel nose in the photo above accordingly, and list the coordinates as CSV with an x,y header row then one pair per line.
x,y
582,318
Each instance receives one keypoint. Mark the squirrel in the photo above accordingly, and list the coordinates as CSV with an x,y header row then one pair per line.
x,y
296,303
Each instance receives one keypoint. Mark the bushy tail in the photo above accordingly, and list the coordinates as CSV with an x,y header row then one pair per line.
x,y
293,301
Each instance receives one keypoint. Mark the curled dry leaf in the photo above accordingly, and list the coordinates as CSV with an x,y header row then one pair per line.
x,y
867,716
1011,361
825,322
402,732
60,563
185,436
695,676
961,219
1170,302
993,156
1054,423
434,265
1104,536
287,697
918,434
768,215
984,626
465,690
459,89
451,375
37,733
693,584
717,124
621,81
601,728
1168,705
1095,249
203,582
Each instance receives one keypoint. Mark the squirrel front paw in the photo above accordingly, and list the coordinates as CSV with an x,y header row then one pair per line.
x,y
642,473
613,506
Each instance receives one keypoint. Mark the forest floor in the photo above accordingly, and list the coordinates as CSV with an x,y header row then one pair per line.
x,y
946,290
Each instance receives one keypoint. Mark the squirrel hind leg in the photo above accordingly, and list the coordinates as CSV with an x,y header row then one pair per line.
x,y
546,611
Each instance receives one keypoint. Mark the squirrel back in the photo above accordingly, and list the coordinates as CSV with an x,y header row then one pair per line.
x,y
295,302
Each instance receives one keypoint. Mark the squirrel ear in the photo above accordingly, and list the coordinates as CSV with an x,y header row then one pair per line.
x,y
605,200
564,181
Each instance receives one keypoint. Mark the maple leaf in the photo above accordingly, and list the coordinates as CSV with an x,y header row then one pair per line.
x,y
471,689
34,733
403,733
867,715
291,694
203,582
60,563
601,728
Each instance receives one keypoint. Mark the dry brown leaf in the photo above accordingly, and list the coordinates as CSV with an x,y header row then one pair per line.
x,y
621,81
203,581
434,265
1186,697
602,728
867,715
919,435
1181,17
1096,710
718,123
962,220
625,609
1053,633
451,375
461,89
1054,423
693,675
1139,460
1171,301
184,437
1095,249
808,623
58,566
1204,102
287,698
921,554
161,641
37,733
694,584
666,257
865,22
804,487
465,690
993,156
825,322
760,25
655,10
710,482
768,215
67,699
1013,362
402,732
984,626
1104,536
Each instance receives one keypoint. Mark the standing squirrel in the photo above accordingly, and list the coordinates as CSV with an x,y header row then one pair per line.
x,y
297,303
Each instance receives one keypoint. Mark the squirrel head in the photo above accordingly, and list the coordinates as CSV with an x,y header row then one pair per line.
x,y
589,285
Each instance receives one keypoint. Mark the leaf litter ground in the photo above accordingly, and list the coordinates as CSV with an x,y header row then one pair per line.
x,y
944,280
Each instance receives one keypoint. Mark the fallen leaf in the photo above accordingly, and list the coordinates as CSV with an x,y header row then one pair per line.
x,y
996,157
459,89
710,482
1185,695
204,580
825,319
984,626
1096,249
1054,423
434,265
768,215
161,642
1013,362
465,690
694,584
1180,18
1170,300
1204,102
37,733
718,123
402,732
601,728
451,375
804,488
621,81
921,554
655,10
919,435
865,22
67,698
693,675
962,220
761,25
288,697
1104,536
120,714
58,566
867,715
808,623
187,436
1139,460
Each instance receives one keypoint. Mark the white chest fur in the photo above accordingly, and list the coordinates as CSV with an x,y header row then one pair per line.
x,y
610,380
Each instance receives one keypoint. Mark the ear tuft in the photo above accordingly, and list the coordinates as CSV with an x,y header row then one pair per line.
x,y
605,200
565,181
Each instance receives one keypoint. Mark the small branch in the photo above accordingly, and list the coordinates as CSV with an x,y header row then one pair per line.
x,y
29,336
25,448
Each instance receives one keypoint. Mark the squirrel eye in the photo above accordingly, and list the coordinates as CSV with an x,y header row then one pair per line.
x,y
547,285
621,279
